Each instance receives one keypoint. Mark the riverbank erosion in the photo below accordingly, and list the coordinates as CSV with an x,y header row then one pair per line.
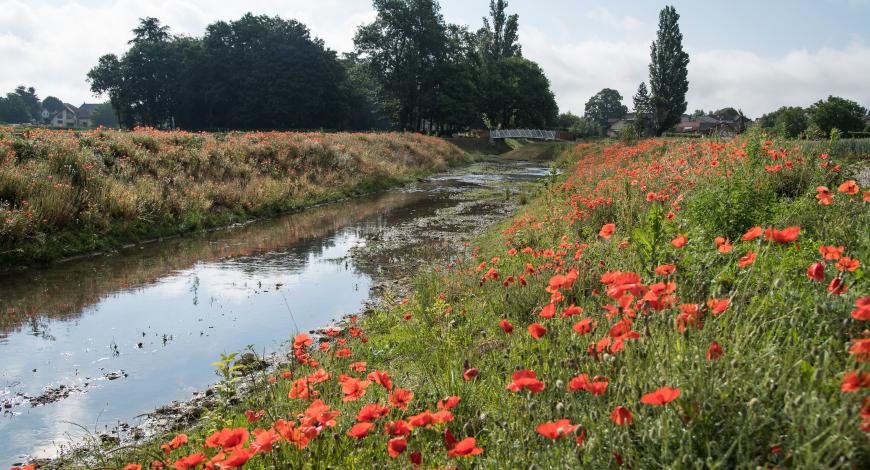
x,y
68,193
663,304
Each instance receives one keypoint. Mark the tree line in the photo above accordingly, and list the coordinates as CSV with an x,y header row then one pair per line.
x,y
410,70
23,106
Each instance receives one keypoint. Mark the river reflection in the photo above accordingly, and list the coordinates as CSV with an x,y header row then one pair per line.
x,y
127,332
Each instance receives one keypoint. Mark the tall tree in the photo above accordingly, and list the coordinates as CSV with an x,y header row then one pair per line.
x,y
605,105
500,33
406,46
52,104
668,73
13,109
643,111
28,96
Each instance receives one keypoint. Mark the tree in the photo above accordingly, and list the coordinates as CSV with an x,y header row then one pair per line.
x,y
529,102
790,121
605,105
726,114
840,113
567,120
643,111
52,104
584,128
103,115
668,72
13,109
31,101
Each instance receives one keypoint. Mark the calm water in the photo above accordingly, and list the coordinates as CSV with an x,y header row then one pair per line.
x,y
127,332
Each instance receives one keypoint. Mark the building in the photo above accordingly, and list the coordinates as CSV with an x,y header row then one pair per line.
x,y
615,126
72,117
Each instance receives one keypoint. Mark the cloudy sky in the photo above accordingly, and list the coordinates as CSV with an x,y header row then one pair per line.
x,y
751,54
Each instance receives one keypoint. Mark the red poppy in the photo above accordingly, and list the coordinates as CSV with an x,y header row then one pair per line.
x,y
752,234
416,458
129,466
191,461
714,352
621,416
396,446
372,412
849,187
358,366
506,326
401,397
343,353
354,389
556,429
584,326
747,259
470,373
237,458
264,440
832,253
465,448
718,306
860,349
666,269
680,241
848,264
786,235
227,438
816,272
580,437
302,341
537,330
854,381
549,311
525,379
361,430
398,427
837,286
862,310
824,195
448,403
661,396
597,387
607,230
381,378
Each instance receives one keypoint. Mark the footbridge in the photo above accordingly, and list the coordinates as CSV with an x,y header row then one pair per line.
x,y
534,134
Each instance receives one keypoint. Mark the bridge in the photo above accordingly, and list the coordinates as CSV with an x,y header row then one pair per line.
x,y
536,134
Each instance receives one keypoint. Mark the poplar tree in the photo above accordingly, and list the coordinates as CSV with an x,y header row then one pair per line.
x,y
668,73
643,111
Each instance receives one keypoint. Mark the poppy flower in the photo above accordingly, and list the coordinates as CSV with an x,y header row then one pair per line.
x,y
786,235
837,286
714,352
227,438
824,195
724,245
661,396
372,412
175,443
361,430
401,397
597,387
849,187
354,389
506,326
253,417
832,253
848,264
191,461
358,366
752,234
264,439
416,458
465,448
580,437
666,269
854,381
470,373
237,458
448,403
129,466
816,272
301,341
860,349
549,311
537,330
718,306
525,379
399,427
680,241
571,311
396,446
746,259
345,352
381,378
556,429
862,310
584,326
607,230
621,416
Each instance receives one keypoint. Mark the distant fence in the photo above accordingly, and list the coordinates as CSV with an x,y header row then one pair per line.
x,y
522,134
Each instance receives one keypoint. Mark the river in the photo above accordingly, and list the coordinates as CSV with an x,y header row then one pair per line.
x,y
88,346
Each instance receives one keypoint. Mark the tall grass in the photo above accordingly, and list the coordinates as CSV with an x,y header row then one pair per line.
x,y
62,193
758,349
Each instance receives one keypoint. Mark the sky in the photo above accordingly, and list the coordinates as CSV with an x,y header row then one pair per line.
x,y
753,55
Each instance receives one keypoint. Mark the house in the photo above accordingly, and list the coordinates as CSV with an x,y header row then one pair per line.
x,y
615,126
708,125
72,117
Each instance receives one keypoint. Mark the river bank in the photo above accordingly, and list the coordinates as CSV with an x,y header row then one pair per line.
x,y
352,250
64,194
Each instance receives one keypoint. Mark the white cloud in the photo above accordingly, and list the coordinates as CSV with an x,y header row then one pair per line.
x,y
604,16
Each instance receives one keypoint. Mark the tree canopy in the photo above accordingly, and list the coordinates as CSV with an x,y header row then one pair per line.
x,y
837,113
668,72
605,105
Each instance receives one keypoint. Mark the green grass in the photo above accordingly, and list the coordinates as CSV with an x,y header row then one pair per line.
x,y
773,399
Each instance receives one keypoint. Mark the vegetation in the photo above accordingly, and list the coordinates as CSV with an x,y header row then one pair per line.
x,y
605,105
410,71
668,73
819,120
676,304
66,193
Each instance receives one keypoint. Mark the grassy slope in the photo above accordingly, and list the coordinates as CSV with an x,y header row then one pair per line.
x,y
65,193
772,399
